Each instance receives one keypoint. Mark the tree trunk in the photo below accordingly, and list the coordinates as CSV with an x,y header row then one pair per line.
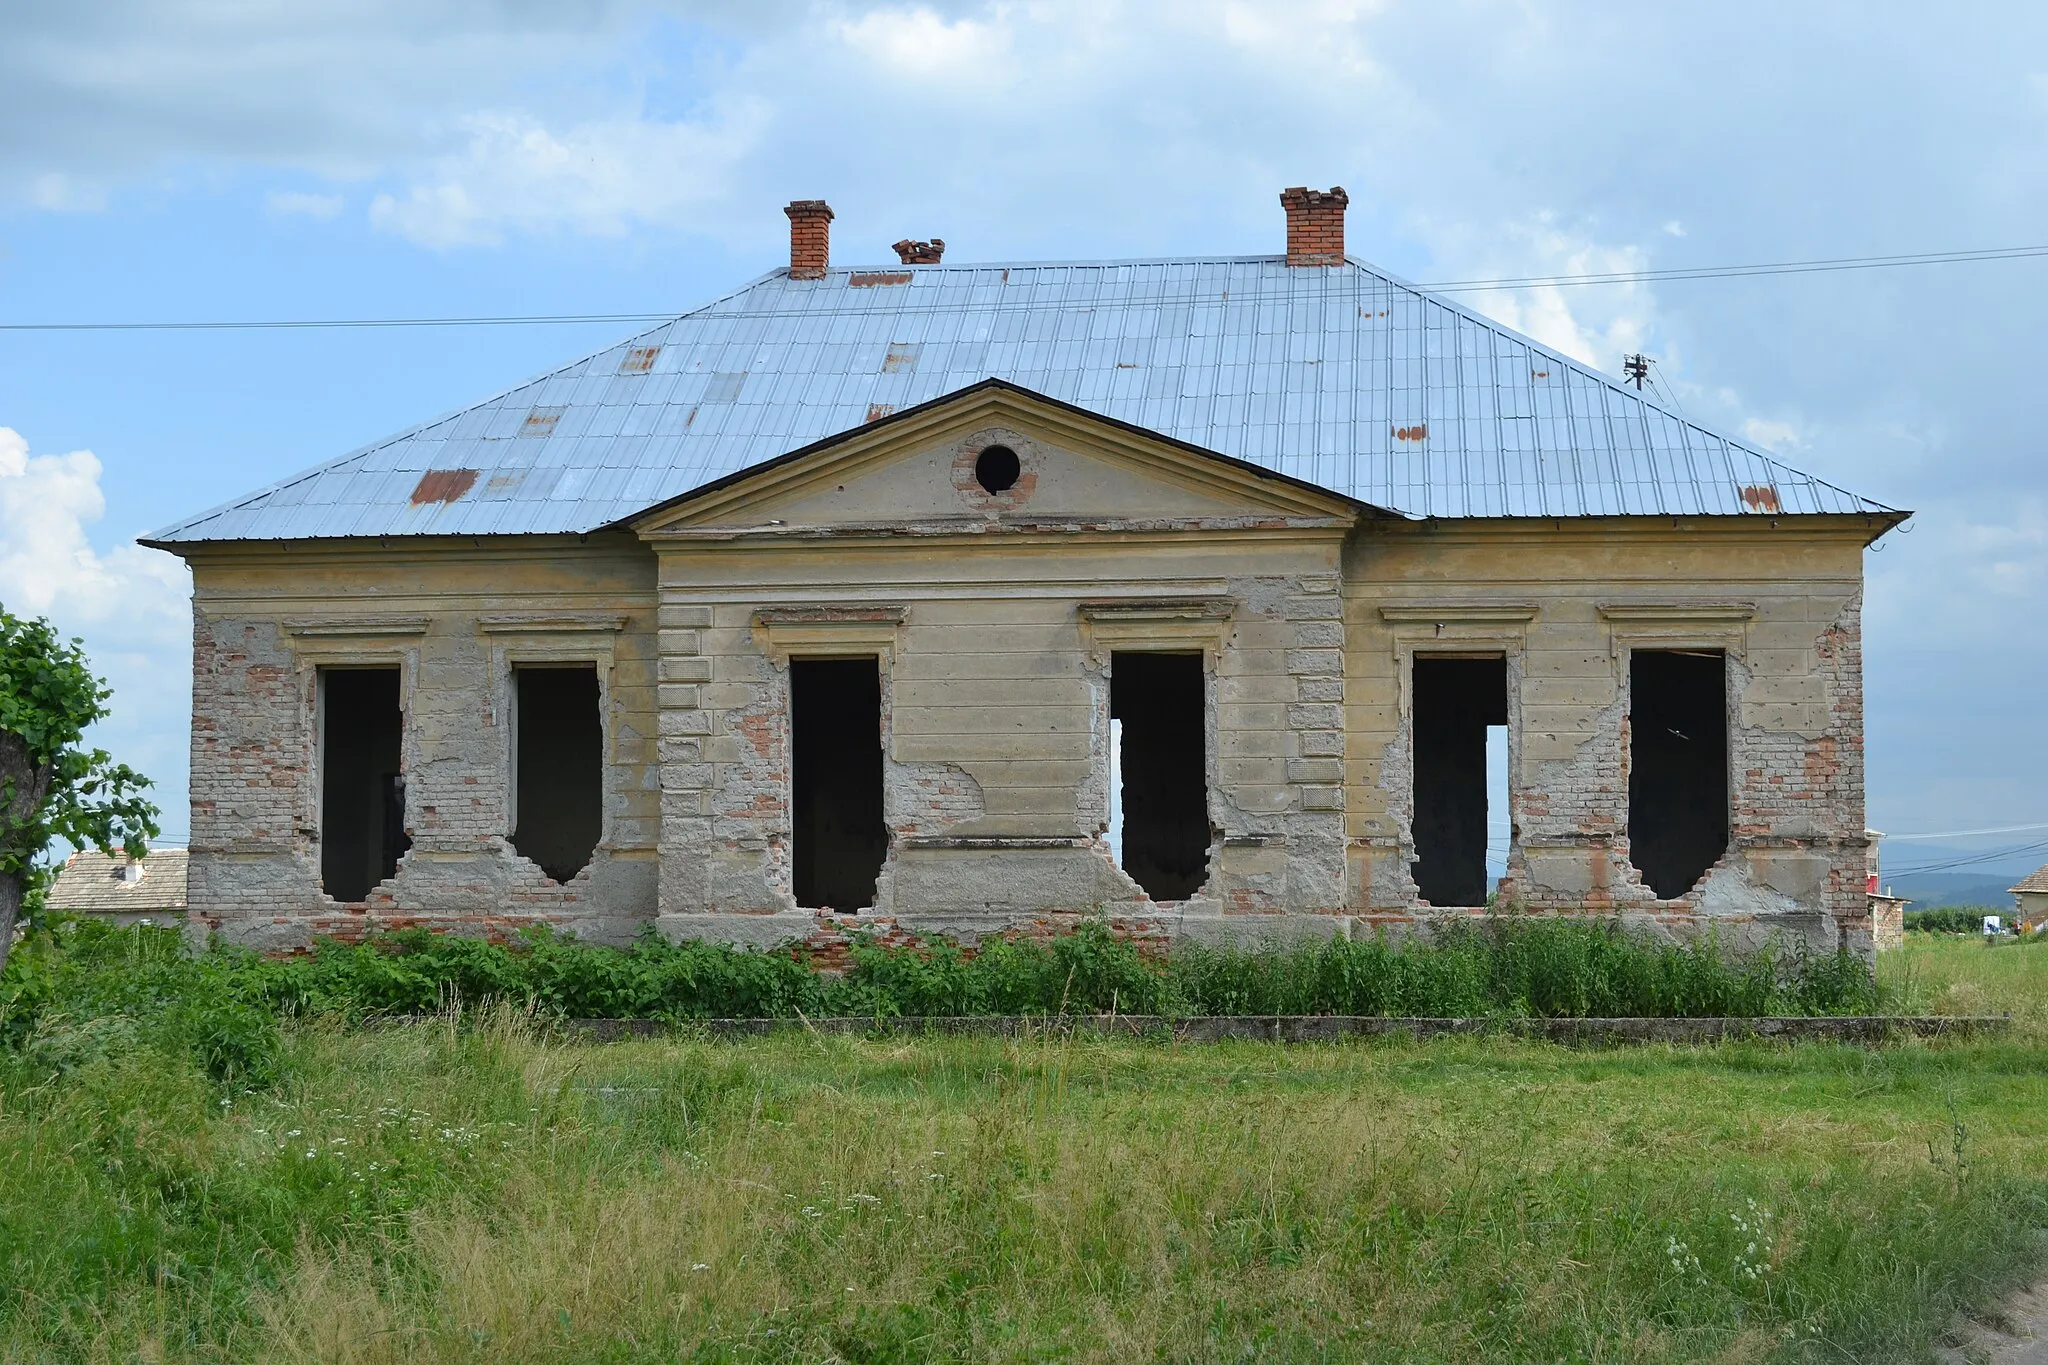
x,y
11,886
23,785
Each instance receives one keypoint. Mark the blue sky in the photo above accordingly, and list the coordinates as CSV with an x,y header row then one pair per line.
x,y
249,159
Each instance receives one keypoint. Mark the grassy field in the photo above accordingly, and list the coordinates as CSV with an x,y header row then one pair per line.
x,y
482,1193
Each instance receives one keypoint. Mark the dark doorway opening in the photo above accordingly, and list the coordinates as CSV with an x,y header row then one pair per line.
x,y
558,767
362,791
1159,701
1678,766
1456,701
835,721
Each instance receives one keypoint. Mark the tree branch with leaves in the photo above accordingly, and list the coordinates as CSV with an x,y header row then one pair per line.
x,y
51,786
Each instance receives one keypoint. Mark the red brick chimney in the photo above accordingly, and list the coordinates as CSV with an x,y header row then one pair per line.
x,y
810,238
1315,225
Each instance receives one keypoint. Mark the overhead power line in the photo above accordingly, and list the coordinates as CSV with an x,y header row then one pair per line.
x,y
1710,272
1962,833
1973,859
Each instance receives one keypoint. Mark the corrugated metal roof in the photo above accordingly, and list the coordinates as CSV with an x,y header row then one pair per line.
x,y
1342,377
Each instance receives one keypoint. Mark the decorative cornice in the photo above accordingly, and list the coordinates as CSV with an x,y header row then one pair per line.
x,y
1676,611
837,614
335,627
1476,613
551,623
1159,609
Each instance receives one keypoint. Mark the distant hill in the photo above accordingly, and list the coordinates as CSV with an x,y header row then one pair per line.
x,y
1928,890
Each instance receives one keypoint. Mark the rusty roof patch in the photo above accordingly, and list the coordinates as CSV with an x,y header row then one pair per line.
x,y
867,279
639,359
1418,432
540,421
442,485
902,356
877,411
1759,497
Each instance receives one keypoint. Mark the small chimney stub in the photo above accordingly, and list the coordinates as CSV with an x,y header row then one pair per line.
x,y
810,238
1315,225
919,253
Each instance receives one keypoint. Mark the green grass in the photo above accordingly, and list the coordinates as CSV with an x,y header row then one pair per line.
x,y
435,1192
1944,974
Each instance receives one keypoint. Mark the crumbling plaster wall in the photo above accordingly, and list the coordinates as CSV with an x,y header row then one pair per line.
x,y
453,618
994,651
1565,602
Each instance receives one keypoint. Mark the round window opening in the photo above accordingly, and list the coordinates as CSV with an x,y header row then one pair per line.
x,y
996,469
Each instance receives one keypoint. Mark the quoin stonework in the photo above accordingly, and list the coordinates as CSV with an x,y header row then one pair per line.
x,y
1230,598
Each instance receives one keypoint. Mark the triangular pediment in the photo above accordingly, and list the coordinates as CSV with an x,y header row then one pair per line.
x,y
943,466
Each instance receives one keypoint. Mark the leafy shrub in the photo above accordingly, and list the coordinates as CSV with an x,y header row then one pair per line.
x,y
1521,966
85,990
80,990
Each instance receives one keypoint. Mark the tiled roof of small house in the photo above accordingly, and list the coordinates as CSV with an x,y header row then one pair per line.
x,y
1342,377
2037,880
92,883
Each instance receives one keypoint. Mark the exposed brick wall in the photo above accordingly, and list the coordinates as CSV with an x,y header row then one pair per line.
x,y
263,628
1794,866
995,719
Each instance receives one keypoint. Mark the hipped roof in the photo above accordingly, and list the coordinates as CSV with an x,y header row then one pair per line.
x,y
1342,377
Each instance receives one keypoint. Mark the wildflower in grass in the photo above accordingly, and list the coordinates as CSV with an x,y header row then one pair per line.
x,y
1754,1224
1684,1263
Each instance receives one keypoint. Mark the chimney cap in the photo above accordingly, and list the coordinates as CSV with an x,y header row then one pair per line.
x,y
809,208
1302,197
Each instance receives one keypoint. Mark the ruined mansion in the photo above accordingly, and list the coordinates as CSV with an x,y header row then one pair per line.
x,y
1236,597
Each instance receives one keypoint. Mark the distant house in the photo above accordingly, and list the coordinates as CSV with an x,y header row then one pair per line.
x,y
1887,912
126,889
2030,900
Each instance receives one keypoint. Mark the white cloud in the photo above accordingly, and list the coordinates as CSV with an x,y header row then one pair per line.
x,y
289,204
596,178
1674,228
130,605
921,43
1778,437
1596,324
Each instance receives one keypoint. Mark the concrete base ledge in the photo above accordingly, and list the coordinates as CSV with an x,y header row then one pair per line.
x,y
1311,1028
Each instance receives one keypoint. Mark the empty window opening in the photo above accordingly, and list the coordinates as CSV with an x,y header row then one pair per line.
x,y
362,791
997,469
557,768
1500,827
840,837
1678,766
1457,702
1114,835
1157,708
